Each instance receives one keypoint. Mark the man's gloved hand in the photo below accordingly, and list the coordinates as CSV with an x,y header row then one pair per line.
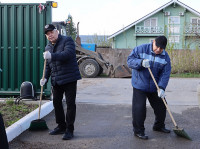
x,y
161,93
145,63
47,55
42,82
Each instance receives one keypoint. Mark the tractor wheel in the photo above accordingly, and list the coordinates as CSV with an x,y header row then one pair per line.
x,y
89,68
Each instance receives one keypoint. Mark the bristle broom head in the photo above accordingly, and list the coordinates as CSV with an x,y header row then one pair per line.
x,y
180,132
38,124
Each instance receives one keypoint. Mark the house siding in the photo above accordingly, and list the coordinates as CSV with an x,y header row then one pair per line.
x,y
126,39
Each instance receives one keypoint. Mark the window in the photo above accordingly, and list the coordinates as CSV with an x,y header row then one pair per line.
x,y
150,22
173,39
150,25
174,29
195,21
173,20
195,25
174,24
147,23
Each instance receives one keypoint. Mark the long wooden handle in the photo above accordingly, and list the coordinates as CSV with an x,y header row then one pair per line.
x,y
44,68
163,98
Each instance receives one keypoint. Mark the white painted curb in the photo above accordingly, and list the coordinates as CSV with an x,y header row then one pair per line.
x,y
18,127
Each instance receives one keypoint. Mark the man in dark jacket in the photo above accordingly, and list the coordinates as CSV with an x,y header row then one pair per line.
x,y
151,55
63,68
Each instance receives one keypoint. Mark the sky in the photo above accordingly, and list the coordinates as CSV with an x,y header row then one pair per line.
x,y
104,17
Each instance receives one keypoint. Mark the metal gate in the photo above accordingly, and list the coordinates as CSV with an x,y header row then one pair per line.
x,y
22,42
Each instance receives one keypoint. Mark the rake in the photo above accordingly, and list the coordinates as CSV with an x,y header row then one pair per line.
x,y
178,131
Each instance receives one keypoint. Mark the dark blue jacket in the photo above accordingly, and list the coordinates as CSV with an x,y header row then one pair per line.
x,y
62,67
160,66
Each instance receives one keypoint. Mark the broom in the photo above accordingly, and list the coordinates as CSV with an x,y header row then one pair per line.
x,y
178,131
39,124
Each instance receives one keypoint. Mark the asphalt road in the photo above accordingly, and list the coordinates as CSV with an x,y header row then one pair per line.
x,y
104,119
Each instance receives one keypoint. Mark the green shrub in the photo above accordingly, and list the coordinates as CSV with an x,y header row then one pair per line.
x,y
185,61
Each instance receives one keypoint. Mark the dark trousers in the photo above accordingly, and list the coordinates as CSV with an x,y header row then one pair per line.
x,y
139,110
70,94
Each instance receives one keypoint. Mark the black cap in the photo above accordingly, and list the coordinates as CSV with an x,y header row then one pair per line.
x,y
49,27
161,41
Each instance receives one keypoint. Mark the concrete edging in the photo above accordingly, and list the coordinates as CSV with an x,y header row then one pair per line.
x,y
20,126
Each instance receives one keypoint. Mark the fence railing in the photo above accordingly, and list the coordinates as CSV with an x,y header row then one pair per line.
x,y
192,28
149,30
188,29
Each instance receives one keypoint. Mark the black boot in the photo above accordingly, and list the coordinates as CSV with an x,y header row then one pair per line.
x,y
68,135
163,129
57,131
141,136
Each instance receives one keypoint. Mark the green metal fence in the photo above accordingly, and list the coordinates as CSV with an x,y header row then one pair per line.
x,y
22,42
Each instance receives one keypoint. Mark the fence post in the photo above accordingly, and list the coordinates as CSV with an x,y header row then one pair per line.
x,y
3,136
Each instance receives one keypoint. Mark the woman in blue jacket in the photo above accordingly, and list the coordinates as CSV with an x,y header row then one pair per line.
x,y
151,55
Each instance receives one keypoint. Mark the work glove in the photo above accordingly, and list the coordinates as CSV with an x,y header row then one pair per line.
x,y
42,82
145,63
47,55
161,93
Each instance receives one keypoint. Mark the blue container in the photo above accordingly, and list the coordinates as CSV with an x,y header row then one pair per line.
x,y
89,46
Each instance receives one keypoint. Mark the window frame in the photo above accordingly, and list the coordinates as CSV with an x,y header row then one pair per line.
x,y
174,29
169,22
198,19
151,23
174,41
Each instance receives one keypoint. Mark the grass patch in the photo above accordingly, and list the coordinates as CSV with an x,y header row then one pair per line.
x,y
103,75
185,75
12,112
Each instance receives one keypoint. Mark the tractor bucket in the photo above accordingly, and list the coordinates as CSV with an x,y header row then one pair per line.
x,y
121,71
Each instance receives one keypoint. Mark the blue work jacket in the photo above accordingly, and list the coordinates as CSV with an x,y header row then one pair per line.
x,y
160,66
